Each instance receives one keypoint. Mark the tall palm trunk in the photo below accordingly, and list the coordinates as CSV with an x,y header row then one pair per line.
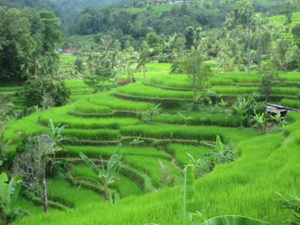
x,y
144,70
259,48
45,196
194,88
249,40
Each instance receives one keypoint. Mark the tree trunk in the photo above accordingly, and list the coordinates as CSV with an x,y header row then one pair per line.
x,y
144,70
194,88
241,120
45,196
106,192
259,47
249,40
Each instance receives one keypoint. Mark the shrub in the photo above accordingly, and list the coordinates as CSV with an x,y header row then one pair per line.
x,y
56,90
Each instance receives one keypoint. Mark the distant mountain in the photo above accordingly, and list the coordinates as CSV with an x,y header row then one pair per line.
x,y
38,4
67,10
72,8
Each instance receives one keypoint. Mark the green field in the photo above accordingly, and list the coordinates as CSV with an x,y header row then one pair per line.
x,y
97,122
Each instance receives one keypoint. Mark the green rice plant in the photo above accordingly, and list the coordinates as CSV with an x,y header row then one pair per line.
x,y
153,66
94,135
231,90
220,119
62,190
150,166
180,152
170,81
84,106
10,89
67,60
230,189
141,179
290,103
107,151
139,90
60,115
107,100
125,186
189,133
16,130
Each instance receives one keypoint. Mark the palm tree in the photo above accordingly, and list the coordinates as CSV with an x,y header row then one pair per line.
x,y
9,193
142,59
105,177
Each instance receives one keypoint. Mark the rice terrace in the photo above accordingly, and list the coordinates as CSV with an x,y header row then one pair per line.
x,y
141,112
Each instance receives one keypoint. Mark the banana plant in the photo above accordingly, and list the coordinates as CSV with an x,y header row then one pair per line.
x,y
9,192
221,153
185,118
105,176
187,217
240,107
261,121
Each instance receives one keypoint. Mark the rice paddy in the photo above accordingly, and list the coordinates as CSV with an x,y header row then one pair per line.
x,y
95,123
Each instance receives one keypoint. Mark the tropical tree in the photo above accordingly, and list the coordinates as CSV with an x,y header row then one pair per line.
x,y
142,59
106,175
38,152
56,133
269,78
221,153
240,107
279,120
198,72
9,193
260,120
201,166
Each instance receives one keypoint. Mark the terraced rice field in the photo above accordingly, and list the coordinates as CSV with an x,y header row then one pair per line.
x,y
282,19
96,123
